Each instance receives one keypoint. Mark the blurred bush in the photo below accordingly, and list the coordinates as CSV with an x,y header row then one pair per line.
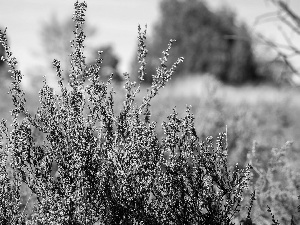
x,y
210,41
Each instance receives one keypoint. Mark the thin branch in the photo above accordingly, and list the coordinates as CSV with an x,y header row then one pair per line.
x,y
267,17
284,7
277,45
293,27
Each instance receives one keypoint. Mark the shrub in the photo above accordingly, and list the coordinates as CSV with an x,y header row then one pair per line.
x,y
276,186
111,168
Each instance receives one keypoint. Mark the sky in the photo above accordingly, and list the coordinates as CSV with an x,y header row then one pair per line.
x,y
116,22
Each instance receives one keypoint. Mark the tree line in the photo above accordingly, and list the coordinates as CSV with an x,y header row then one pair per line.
x,y
211,41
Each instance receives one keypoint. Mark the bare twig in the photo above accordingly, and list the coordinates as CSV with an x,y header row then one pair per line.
x,y
291,20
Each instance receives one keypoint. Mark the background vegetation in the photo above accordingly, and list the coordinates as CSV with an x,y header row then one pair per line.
x,y
210,41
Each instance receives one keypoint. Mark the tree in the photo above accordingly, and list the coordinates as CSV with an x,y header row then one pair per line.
x,y
242,66
204,38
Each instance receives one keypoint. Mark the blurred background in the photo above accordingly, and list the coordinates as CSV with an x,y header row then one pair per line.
x,y
240,69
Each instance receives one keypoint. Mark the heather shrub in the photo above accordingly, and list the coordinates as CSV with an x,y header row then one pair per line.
x,y
276,186
112,167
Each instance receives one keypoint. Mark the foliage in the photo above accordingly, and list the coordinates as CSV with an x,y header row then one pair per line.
x,y
110,165
210,41
2,54
5,76
56,38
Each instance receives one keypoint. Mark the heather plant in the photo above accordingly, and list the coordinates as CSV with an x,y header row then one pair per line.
x,y
56,37
112,168
276,187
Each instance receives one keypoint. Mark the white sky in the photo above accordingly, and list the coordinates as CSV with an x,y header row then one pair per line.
x,y
116,22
